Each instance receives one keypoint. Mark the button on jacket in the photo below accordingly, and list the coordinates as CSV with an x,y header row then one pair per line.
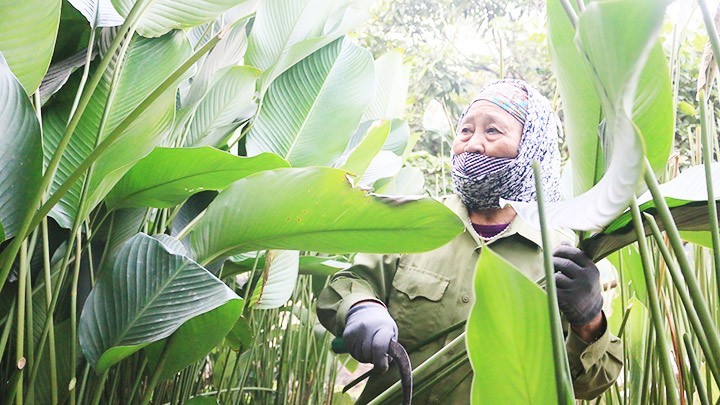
x,y
429,292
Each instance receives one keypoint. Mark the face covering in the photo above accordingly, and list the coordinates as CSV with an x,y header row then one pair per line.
x,y
482,181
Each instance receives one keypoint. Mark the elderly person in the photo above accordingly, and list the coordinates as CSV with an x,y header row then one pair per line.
x,y
410,297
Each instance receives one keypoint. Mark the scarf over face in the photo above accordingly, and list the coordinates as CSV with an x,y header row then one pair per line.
x,y
481,181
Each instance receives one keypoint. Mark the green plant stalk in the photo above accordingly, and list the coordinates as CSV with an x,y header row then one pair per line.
x,y
155,377
31,220
138,379
86,73
48,300
707,161
20,332
662,348
115,134
695,368
30,335
625,317
710,27
701,307
684,297
436,358
53,304
73,313
571,13
458,361
6,330
562,368
99,387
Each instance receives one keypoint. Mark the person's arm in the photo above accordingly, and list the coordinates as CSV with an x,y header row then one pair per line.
x,y
594,354
369,279
594,365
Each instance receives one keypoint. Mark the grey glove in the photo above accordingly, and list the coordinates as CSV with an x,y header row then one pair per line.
x,y
369,328
578,285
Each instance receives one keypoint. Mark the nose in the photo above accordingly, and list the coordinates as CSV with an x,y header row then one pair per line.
x,y
476,143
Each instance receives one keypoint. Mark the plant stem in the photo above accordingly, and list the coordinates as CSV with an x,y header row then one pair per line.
x,y
684,297
138,379
562,368
695,368
73,313
122,126
20,332
99,388
421,369
697,297
707,163
571,14
157,371
6,330
662,348
32,217
48,300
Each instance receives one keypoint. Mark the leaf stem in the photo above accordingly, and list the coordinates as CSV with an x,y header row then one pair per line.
x,y
422,368
657,319
698,301
695,369
562,368
685,298
712,208
570,12
155,377
33,217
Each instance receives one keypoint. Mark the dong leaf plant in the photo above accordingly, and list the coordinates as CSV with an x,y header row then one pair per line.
x,y
167,138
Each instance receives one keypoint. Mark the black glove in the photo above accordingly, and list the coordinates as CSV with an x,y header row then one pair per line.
x,y
369,328
578,285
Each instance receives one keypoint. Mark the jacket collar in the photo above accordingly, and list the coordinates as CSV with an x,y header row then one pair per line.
x,y
517,227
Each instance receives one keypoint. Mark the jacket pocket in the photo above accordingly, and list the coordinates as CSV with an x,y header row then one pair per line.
x,y
416,282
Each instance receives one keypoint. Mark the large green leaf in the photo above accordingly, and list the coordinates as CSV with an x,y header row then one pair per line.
x,y
99,13
194,339
146,294
686,195
168,176
409,181
508,336
135,83
359,159
27,37
20,152
228,52
230,101
307,25
582,111
616,38
165,15
278,280
392,87
628,262
317,209
689,186
312,110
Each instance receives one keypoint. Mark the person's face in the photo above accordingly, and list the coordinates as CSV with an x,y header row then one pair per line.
x,y
489,130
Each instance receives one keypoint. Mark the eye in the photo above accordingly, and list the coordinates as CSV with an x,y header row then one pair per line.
x,y
492,130
466,131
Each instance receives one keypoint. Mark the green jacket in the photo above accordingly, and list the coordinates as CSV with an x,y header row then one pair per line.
x,y
428,292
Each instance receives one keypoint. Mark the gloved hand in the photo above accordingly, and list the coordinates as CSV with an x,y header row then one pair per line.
x,y
369,328
578,285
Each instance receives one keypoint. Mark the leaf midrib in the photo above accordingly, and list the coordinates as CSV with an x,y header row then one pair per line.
x,y
120,337
365,230
315,103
